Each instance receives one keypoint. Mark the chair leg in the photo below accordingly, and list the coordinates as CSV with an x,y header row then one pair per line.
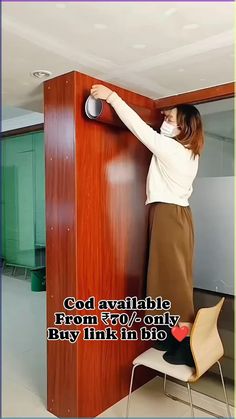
x,y
176,398
164,384
130,390
190,399
171,396
224,390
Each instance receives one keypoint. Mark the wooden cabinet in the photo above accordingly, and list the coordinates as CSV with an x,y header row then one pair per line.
x,y
96,240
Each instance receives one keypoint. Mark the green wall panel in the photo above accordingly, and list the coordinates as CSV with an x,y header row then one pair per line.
x,y
38,142
23,197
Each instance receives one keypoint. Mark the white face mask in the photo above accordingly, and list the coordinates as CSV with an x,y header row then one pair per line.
x,y
169,130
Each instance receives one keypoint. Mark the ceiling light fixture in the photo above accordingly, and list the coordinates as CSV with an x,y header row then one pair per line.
x,y
40,74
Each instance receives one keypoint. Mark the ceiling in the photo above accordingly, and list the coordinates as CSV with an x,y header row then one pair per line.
x,y
157,49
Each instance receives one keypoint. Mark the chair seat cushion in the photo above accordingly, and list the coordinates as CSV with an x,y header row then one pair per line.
x,y
152,358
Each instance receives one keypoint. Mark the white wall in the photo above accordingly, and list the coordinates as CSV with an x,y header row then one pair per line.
x,y
22,121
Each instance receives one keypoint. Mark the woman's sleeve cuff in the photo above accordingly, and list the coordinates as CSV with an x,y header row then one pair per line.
x,y
112,97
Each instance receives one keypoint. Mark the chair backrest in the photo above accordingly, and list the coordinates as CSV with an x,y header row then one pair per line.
x,y
205,342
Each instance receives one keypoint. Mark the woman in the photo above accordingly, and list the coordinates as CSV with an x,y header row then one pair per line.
x,y
173,168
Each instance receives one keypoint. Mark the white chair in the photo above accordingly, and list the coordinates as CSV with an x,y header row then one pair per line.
x,y
206,347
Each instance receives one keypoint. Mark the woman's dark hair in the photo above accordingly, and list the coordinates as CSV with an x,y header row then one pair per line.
x,y
190,123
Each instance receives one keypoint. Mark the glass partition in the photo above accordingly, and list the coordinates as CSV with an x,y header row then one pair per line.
x,y
218,157
212,205
212,200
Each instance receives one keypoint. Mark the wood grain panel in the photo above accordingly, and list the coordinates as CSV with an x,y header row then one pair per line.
x,y
95,191
60,237
108,115
209,94
23,130
114,217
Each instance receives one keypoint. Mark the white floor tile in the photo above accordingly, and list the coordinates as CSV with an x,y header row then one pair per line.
x,y
23,350
148,401
18,401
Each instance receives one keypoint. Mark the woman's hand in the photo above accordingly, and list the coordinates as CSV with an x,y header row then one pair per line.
x,y
99,91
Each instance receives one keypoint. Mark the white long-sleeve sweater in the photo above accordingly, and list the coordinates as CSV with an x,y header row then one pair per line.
x,y
172,168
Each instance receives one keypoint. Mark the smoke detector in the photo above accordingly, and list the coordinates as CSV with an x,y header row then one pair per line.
x,y
40,74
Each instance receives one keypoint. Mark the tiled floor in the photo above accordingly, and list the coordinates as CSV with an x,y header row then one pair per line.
x,y
24,365
23,350
149,401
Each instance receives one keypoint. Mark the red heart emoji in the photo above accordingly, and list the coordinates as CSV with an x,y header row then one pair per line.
x,y
180,332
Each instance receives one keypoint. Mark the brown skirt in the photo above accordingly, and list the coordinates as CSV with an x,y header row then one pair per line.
x,y
171,243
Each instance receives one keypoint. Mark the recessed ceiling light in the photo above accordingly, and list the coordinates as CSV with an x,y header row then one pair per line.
x,y
100,26
61,5
40,74
191,26
202,79
170,12
181,70
139,46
